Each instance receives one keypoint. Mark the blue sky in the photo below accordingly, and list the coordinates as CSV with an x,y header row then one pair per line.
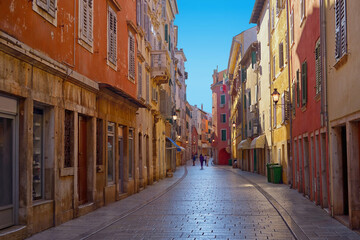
x,y
206,29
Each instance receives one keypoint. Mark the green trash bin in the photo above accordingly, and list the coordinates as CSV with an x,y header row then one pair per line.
x,y
230,162
269,171
276,173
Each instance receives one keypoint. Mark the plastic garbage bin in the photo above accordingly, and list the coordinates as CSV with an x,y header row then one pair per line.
x,y
230,162
276,173
268,167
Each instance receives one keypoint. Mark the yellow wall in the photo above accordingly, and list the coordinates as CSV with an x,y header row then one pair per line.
x,y
280,81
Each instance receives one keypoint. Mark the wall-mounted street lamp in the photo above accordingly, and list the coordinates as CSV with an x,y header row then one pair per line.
x,y
276,96
233,124
174,117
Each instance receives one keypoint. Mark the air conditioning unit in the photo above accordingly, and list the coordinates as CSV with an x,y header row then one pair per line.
x,y
252,108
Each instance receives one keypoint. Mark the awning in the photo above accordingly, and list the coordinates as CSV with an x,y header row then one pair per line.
x,y
244,144
178,148
258,142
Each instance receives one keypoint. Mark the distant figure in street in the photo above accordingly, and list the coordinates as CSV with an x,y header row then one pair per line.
x,y
201,161
194,159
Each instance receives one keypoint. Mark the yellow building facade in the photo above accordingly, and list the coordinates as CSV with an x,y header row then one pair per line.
x,y
280,81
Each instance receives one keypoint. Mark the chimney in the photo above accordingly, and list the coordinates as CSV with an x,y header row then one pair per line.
x,y
202,107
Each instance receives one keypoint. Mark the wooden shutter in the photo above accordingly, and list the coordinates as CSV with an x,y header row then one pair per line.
x,y
318,68
52,7
274,116
138,12
293,99
163,12
147,88
286,105
304,83
166,33
283,114
112,36
90,18
281,55
43,4
340,29
131,56
139,80
298,88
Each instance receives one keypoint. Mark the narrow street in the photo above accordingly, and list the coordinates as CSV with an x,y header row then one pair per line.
x,y
214,203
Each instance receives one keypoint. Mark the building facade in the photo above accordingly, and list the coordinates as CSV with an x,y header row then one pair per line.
x,y
221,112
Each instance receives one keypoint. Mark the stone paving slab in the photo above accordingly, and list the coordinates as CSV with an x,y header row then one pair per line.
x,y
314,221
215,203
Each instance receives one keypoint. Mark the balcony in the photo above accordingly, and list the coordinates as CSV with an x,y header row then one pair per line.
x,y
160,66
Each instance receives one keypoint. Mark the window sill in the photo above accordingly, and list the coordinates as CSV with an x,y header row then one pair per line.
x,y
66,172
41,202
45,15
341,61
86,45
110,64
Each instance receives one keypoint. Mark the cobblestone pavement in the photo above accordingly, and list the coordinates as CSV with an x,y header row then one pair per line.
x,y
214,203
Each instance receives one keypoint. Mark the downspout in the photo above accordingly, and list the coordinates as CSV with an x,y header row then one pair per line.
x,y
324,94
270,83
290,107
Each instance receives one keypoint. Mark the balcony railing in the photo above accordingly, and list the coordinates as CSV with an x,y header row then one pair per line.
x,y
160,66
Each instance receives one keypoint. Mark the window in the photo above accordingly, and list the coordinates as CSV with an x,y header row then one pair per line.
x,y
302,9
292,27
49,6
293,98
154,94
138,12
273,67
86,21
38,155
166,33
223,134
163,9
279,6
281,55
99,142
221,89
304,83
112,48
340,29
147,88
222,99
68,139
274,116
223,118
111,152
131,152
131,51
253,59
272,18
243,74
318,68
140,90
298,88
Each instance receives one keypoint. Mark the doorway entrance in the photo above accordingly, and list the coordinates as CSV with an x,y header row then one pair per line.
x,y
8,184
121,158
82,164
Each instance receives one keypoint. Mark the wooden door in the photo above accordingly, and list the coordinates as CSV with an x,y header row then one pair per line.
x,y
82,164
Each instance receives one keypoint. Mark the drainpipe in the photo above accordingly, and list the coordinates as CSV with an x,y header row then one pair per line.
x,y
289,81
324,94
270,83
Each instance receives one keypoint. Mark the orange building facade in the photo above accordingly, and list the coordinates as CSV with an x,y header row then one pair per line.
x,y
68,103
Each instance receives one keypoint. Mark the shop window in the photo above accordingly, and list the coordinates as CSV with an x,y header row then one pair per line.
x,y
111,152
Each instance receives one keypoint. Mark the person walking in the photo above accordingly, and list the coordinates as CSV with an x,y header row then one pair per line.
x,y
201,161
207,160
194,159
